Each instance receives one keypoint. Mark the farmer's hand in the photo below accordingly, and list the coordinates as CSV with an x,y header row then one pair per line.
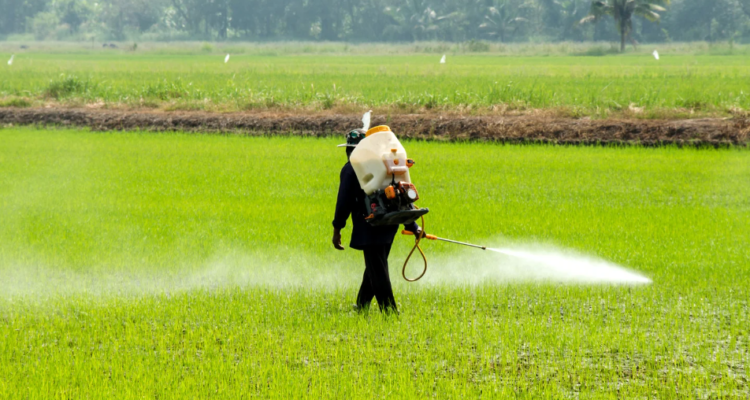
x,y
337,239
420,233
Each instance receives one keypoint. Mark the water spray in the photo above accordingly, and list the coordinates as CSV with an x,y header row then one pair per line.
x,y
547,264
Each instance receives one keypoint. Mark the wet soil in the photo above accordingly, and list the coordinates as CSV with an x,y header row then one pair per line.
x,y
507,129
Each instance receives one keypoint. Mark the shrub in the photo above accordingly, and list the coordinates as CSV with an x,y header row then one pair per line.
x,y
15,102
66,86
476,46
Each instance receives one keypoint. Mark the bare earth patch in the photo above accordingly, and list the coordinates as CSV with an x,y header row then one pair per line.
x,y
507,129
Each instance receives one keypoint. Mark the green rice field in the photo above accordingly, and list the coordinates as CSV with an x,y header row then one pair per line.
x,y
142,265
680,85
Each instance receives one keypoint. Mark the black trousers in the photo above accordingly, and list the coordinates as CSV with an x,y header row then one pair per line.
x,y
377,282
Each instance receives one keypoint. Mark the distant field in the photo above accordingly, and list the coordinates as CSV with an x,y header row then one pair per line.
x,y
160,265
632,85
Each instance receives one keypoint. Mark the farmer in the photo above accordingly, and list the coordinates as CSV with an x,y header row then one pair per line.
x,y
374,241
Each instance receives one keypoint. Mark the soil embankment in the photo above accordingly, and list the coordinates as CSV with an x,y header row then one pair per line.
x,y
508,129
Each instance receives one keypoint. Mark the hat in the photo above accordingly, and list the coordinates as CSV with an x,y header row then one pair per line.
x,y
353,138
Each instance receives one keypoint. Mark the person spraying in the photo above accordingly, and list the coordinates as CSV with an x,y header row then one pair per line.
x,y
376,191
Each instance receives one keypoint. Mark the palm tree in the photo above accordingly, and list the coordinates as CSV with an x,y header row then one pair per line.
x,y
417,19
623,10
502,20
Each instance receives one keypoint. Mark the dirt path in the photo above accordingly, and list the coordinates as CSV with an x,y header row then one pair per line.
x,y
511,129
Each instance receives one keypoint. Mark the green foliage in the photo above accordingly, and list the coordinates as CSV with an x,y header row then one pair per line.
x,y
599,51
327,101
370,20
623,11
713,20
15,102
503,19
200,266
476,46
44,25
67,86
591,86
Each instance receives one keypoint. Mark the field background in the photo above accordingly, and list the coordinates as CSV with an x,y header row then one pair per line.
x,y
570,80
159,265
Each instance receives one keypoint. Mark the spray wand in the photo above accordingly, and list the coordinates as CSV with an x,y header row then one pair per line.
x,y
433,237
417,246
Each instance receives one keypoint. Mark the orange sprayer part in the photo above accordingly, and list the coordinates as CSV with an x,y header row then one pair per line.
x,y
390,192
376,129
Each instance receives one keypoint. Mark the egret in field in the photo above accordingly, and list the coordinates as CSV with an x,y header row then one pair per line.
x,y
366,120
226,59
656,55
10,62
442,60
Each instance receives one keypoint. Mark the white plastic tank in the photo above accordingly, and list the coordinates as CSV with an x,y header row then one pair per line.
x,y
377,158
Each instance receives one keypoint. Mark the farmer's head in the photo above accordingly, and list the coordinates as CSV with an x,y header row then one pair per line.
x,y
352,140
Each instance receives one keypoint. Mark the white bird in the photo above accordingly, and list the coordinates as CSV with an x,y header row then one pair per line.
x,y
366,120
10,62
226,59
442,60
656,55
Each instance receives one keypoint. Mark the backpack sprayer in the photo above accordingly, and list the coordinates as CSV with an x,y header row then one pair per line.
x,y
382,168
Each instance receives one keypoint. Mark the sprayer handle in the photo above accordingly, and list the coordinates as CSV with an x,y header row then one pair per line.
x,y
410,233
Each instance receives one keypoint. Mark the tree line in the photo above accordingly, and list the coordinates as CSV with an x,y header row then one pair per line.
x,y
379,20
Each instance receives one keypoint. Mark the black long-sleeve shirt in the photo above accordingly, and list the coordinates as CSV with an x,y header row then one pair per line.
x,y
351,201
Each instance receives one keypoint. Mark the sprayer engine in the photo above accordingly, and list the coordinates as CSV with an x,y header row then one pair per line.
x,y
394,205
